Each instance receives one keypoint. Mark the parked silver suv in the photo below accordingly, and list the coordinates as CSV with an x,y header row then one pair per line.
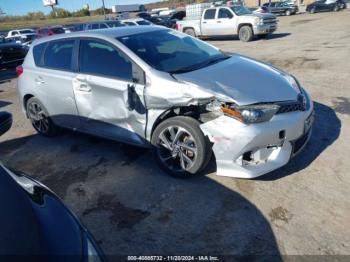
x,y
152,86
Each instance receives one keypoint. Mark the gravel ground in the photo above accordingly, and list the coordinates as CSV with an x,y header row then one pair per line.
x,y
132,207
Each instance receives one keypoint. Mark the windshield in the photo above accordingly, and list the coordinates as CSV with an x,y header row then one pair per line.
x,y
27,31
240,10
172,52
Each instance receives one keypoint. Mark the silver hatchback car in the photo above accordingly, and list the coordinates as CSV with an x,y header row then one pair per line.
x,y
154,87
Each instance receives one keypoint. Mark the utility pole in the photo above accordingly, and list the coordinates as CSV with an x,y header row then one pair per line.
x,y
104,9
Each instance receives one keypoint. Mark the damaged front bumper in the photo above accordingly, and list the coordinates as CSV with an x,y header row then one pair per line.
x,y
249,151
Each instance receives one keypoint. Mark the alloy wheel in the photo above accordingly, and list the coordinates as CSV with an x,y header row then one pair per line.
x,y
177,148
38,117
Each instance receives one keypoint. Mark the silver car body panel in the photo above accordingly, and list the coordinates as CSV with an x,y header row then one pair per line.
x,y
98,105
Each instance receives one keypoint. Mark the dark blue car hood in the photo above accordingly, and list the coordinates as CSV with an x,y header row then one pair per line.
x,y
37,223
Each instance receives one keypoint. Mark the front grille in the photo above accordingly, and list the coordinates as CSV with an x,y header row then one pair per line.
x,y
268,21
291,107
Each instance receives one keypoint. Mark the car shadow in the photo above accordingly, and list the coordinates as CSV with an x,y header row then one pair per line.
x,y
133,208
325,132
230,38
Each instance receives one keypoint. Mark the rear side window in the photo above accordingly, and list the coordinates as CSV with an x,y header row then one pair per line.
x,y
99,58
37,52
103,26
58,55
210,14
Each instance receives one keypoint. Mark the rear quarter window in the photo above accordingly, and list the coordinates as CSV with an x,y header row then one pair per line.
x,y
58,55
37,53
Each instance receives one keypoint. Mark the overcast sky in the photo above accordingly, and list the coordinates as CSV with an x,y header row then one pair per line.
x,y
21,7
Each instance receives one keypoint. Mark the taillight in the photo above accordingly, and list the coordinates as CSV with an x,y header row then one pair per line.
x,y
19,70
177,27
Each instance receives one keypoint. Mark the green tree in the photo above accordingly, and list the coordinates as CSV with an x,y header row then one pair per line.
x,y
60,13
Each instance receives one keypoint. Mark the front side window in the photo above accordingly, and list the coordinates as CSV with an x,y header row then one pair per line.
x,y
58,55
170,51
224,13
103,59
102,26
210,14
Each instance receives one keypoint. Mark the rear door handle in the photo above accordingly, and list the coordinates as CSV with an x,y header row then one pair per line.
x,y
218,21
204,22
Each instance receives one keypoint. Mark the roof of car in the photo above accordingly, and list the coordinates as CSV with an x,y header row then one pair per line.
x,y
108,32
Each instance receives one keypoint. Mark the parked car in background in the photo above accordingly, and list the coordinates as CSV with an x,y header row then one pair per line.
x,y
11,53
35,222
20,32
323,6
22,36
51,30
157,20
281,8
144,15
172,18
260,10
229,21
102,24
135,22
154,87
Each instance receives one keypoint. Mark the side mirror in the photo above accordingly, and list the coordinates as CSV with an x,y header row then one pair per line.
x,y
5,122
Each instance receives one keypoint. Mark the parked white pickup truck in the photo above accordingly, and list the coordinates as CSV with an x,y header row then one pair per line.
x,y
229,21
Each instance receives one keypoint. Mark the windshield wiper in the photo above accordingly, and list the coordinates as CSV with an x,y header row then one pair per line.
x,y
201,65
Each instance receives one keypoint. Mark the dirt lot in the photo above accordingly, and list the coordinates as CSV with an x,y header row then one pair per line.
x,y
134,208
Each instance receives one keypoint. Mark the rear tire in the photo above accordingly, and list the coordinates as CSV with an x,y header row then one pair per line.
x,y
245,33
40,119
288,13
190,32
180,147
313,10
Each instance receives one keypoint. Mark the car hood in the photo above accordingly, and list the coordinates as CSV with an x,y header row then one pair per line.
x,y
243,81
35,223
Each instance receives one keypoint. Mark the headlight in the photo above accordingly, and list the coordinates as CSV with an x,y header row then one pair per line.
x,y
259,21
246,114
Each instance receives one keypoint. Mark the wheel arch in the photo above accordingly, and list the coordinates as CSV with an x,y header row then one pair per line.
x,y
190,111
244,24
25,101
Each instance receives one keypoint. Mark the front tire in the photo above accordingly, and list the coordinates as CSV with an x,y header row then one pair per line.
x,y
313,10
336,8
40,119
180,146
288,13
245,33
